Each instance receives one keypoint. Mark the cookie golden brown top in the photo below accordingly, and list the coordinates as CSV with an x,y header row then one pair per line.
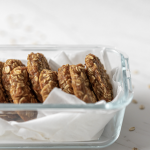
x,y
48,80
9,65
36,63
98,78
80,84
64,79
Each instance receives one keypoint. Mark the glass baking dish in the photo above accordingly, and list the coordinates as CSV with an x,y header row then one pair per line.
x,y
111,130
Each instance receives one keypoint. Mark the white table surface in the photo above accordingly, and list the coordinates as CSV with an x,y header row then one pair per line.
x,y
123,24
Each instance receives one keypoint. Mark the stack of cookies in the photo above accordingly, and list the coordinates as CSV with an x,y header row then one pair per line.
x,y
33,83
88,82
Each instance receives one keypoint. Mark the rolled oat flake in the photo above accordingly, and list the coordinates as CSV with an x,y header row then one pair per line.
x,y
134,101
132,129
134,148
142,107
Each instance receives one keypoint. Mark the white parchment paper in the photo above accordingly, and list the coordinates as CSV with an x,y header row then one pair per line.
x,y
71,125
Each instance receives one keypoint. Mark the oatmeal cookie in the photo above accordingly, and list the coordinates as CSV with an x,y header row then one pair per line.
x,y
48,80
80,84
99,79
36,63
64,79
21,91
7,115
9,65
1,68
3,98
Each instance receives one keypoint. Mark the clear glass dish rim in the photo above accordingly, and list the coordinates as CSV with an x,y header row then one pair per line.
x,y
108,106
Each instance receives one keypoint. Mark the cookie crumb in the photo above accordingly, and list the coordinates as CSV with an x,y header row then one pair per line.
x,y
142,107
134,101
132,129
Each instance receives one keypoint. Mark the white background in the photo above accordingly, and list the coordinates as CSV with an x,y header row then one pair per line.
x,y
124,24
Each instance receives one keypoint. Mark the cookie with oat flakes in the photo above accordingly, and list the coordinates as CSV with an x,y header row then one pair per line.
x,y
80,84
99,79
64,79
48,81
36,63
9,65
21,92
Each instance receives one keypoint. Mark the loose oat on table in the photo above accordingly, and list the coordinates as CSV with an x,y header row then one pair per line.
x,y
64,79
21,92
9,65
134,148
80,84
134,101
48,80
36,63
98,78
142,107
132,129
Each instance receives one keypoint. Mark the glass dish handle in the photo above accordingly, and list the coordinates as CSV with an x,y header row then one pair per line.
x,y
129,75
126,74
